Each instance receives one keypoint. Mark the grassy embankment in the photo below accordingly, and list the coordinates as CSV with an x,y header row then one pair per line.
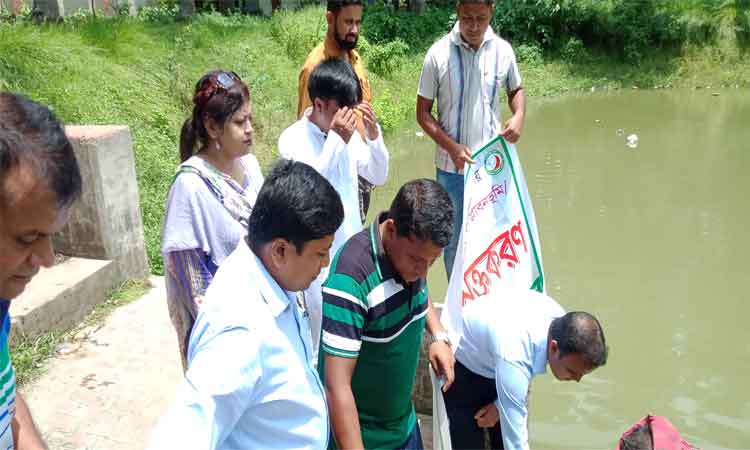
x,y
140,72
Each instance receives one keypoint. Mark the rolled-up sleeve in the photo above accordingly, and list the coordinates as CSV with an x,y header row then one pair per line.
x,y
512,382
513,82
428,79
372,160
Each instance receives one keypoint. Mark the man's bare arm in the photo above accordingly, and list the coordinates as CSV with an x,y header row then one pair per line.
x,y
341,404
460,154
512,128
25,433
440,353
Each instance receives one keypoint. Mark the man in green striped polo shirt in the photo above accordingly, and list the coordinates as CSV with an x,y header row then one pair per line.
x,y
375,307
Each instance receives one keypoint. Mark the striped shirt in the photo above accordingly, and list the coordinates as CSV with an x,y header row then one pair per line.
x,y
7,381
370,313
467,84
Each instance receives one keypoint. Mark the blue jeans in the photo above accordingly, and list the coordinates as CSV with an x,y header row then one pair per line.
x,y
414,441
453,183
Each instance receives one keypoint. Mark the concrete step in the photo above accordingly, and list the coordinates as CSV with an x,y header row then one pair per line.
x,y
110,391
59,298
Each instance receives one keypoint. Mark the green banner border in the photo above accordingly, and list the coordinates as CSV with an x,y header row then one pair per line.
x,y
538,284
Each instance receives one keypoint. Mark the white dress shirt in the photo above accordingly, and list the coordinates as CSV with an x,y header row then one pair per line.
x,y
340,163
505,339
250,382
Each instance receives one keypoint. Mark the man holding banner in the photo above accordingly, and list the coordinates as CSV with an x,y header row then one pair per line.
x,y
464,71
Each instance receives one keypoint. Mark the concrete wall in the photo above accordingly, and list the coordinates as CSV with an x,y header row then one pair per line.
x,y
265,7
11,7
106,222
61,8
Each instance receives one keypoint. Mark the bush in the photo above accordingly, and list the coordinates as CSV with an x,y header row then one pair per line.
x,y
381,24
162,12
573,49
299,31
626,27
539,22
382,59
529,54
391,111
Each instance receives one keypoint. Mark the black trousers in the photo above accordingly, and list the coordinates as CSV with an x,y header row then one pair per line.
x,y
468,393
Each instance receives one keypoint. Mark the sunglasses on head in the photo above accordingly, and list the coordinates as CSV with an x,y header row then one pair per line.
x,y
221,81
226,80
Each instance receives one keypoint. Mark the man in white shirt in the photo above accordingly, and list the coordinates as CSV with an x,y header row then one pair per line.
x,y
464,73
326,138
250,381
507,339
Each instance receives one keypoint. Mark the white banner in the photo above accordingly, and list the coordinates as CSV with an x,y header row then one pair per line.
x,y
498,246
499,242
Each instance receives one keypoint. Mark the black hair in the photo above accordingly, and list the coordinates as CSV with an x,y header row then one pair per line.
x,y
580,332
423,209
335,79
30,133
638,439
335,6
295,203
211,101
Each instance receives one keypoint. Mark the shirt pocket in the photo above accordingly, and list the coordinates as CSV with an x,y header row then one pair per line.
x,y
492,85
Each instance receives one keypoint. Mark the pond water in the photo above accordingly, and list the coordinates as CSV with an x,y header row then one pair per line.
x,y
654,240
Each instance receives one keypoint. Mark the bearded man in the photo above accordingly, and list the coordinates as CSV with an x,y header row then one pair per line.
x,y
344,18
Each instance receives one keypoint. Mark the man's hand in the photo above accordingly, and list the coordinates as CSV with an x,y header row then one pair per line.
x,y
460,155
487,416
512,129
344,123
370,120
441,360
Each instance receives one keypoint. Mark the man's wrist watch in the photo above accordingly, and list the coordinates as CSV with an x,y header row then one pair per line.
x,y
441,336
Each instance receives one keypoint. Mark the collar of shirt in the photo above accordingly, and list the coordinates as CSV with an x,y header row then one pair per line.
x,y
458,40
314,129
539,366
275,297
331,49
4,307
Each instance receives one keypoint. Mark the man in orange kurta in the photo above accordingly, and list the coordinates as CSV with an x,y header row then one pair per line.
x,y
344,18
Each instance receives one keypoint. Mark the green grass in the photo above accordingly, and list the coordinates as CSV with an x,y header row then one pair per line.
x,y
141,73
29,355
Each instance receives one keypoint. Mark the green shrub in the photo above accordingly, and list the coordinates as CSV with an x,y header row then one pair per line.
x,y
381,24
528,53
162,12
382,59
539,22
573,48
299,31
391,110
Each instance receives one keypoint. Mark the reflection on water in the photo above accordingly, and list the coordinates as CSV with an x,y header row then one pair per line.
x,y
653,240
